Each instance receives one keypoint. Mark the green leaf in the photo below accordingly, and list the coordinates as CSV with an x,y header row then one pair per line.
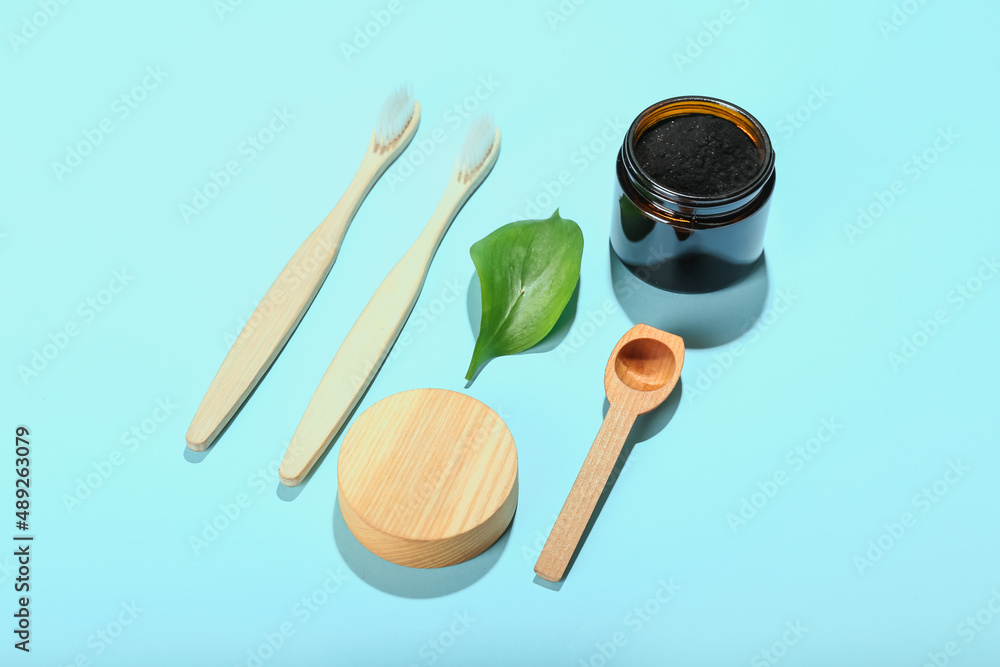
x,y
527,273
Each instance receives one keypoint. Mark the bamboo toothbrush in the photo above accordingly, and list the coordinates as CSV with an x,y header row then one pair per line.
x,y
372,336
279,312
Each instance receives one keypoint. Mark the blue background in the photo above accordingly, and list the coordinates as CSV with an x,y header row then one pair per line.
x,y
667,575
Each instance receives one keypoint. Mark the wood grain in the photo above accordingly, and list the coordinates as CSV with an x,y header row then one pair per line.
x,y
641,372
427,478
371,338
283,306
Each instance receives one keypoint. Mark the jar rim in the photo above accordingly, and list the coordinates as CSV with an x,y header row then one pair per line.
x,y
674,203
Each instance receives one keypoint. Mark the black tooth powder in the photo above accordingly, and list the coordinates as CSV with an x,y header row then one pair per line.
x,y
694,181
699,155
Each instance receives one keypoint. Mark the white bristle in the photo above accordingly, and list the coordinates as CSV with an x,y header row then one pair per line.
x,y
394,116
478,143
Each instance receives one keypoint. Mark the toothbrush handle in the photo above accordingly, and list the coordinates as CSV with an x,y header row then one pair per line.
x,y
586,491
368,343
279,312
356,362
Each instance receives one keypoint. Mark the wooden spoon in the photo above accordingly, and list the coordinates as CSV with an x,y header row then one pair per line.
x,y
641,373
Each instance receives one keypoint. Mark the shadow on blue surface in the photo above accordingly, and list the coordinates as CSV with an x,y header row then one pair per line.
x,y
702,320
412,582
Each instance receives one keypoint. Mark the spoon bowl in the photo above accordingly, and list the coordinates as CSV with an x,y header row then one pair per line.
x,y
644,368
644,364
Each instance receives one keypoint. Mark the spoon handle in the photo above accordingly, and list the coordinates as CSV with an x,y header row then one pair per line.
x,y
586,491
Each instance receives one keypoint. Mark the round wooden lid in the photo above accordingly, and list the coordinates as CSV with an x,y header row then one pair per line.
x,y
427,478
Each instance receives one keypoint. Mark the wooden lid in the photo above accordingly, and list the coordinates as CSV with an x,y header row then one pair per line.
x,y
427,478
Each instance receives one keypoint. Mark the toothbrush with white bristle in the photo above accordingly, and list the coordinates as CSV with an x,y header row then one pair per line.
x,y
373,335
279,312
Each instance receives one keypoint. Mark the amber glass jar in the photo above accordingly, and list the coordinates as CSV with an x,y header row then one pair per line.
x,y
684,242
